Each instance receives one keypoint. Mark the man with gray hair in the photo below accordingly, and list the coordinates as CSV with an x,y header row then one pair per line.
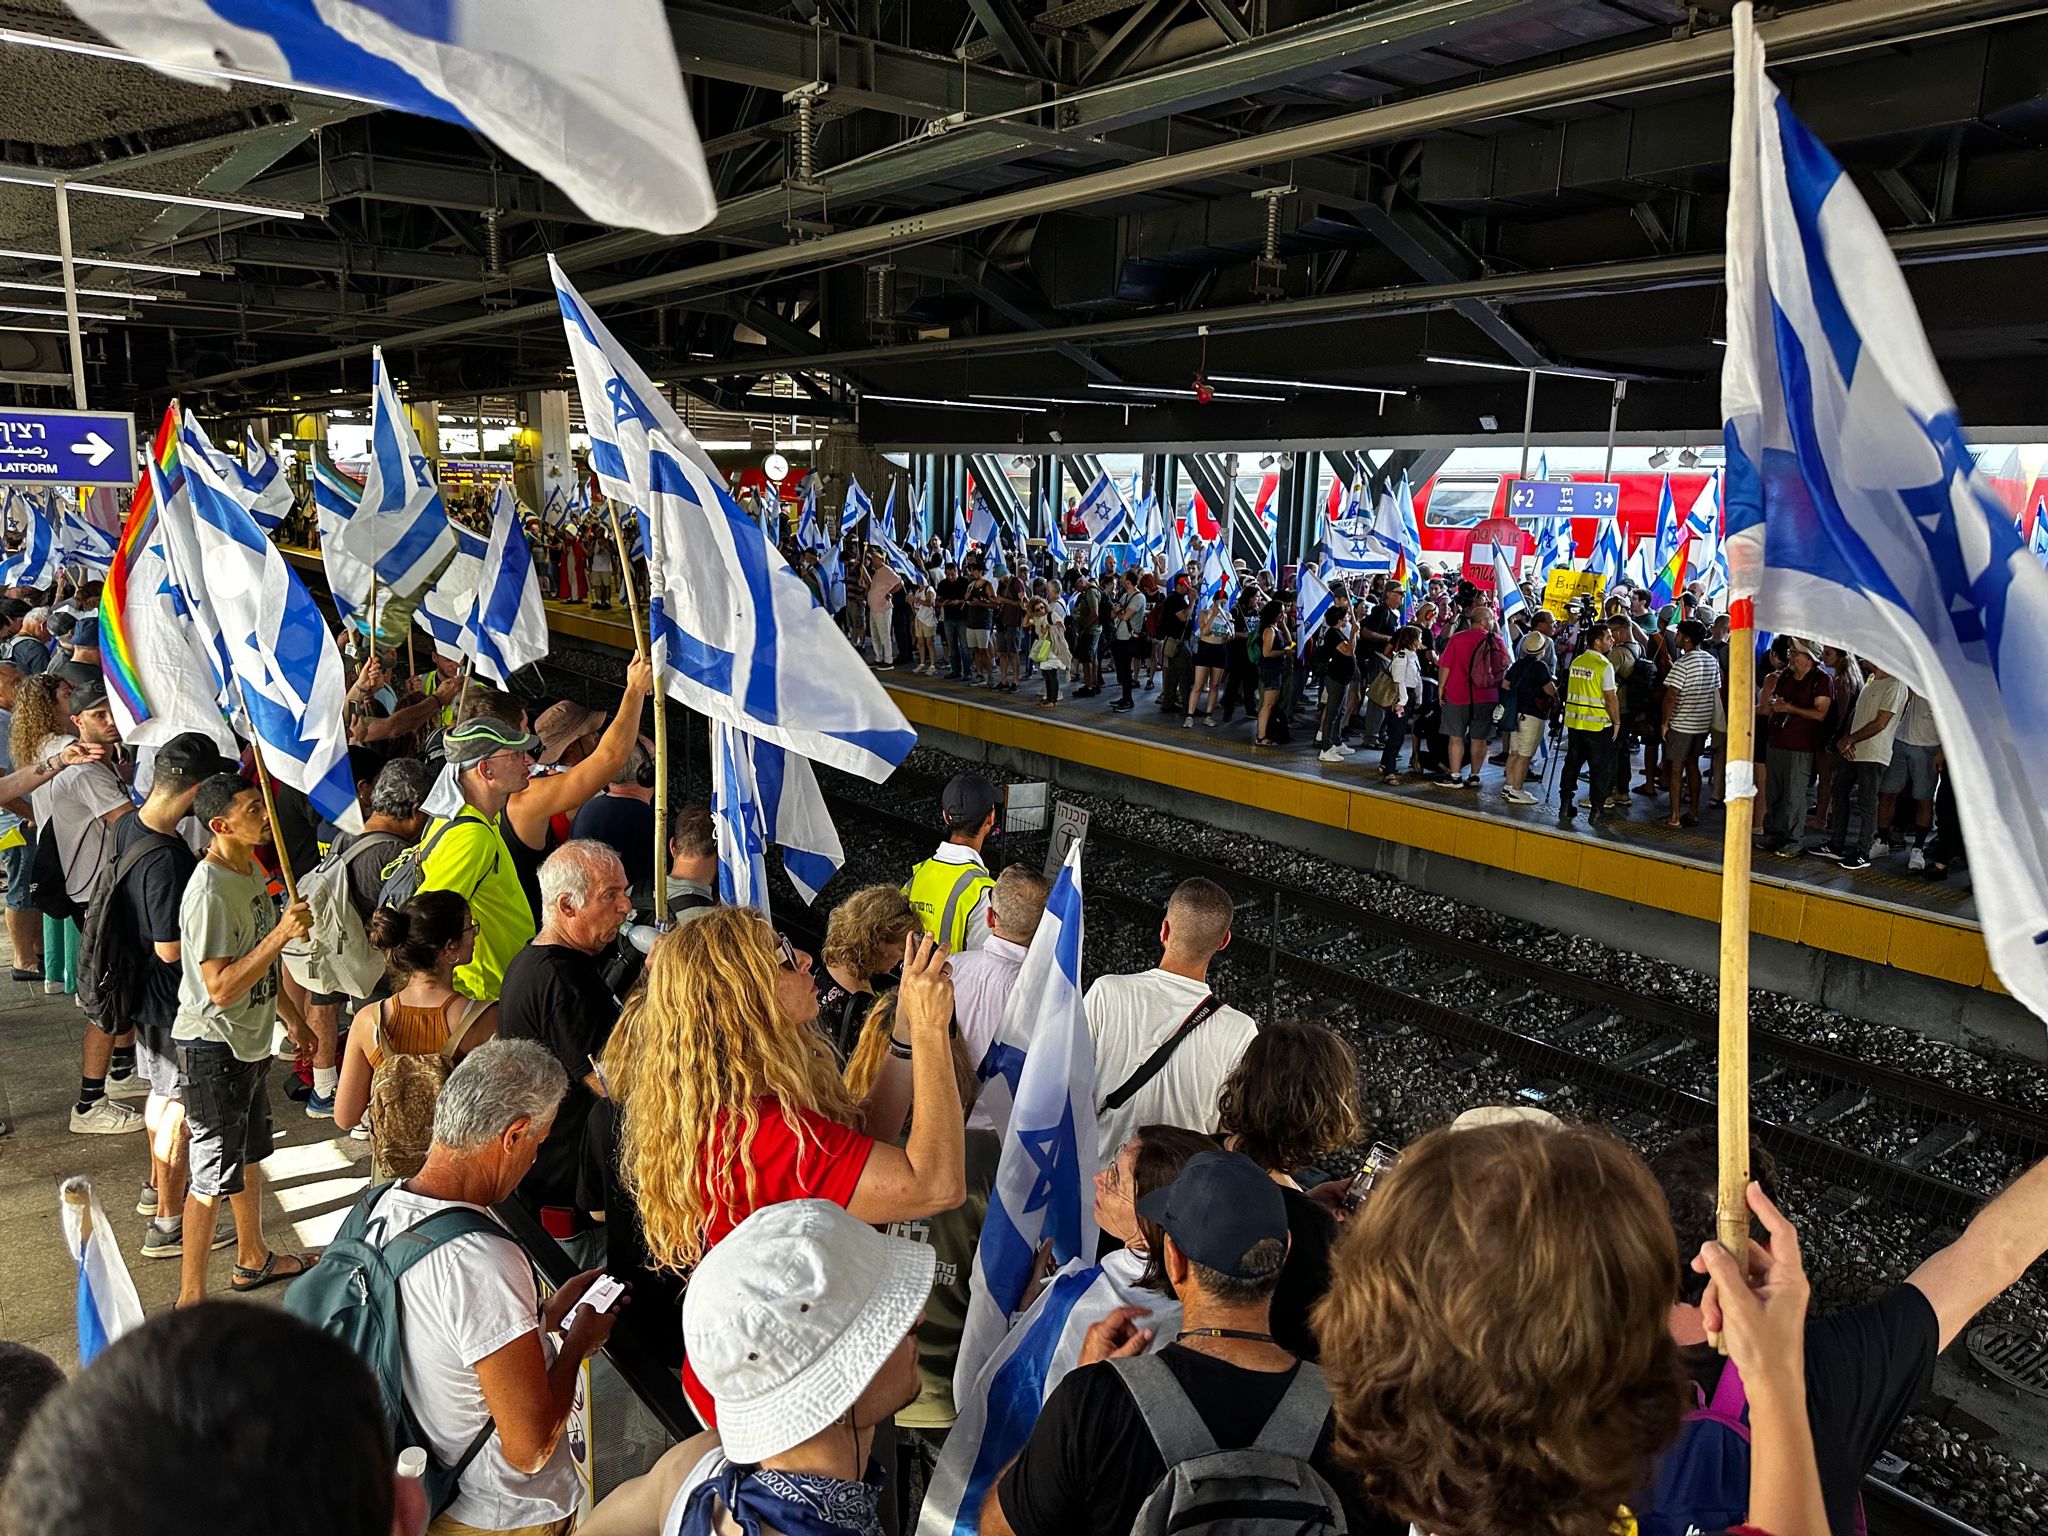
x,y
555,993
481,1373
29,650
983,978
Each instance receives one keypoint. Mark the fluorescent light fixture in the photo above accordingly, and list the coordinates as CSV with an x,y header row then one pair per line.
x,y
120,263
1342,389
38,330
1562,373
1038,399
1182,394
58,314
84,293
122,56
179,199
958,405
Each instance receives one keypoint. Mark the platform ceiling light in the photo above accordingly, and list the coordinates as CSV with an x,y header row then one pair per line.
x,y
958,405
1183,394
86,293
38,330
1128,405
1341,389
58,314
93,50
118,263
1489,364
1660,458
178,199
1689,457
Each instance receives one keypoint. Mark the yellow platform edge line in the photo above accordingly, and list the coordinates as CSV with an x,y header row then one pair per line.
x,y
1947,949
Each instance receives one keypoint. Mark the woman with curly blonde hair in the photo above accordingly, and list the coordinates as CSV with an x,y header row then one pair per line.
x,y
863,944
1497,1343
730,1098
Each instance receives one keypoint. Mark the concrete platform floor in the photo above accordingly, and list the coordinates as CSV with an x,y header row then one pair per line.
x,y
312,1177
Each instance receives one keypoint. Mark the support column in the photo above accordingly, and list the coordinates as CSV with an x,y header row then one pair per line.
x,y
426,422
542,466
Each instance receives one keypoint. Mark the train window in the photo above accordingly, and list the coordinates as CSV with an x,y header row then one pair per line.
x,y
1461,501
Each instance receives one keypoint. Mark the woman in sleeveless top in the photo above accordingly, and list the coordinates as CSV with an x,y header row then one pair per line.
x,y
423,942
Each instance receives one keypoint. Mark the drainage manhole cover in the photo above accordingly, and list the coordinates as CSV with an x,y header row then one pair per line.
x,y
2018,1359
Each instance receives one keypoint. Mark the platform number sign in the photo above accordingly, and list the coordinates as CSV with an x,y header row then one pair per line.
x,y
1069,826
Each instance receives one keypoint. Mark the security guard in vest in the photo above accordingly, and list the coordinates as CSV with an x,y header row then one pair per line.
x,y
950,890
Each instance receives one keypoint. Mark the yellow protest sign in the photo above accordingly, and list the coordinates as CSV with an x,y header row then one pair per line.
x,y
1565,587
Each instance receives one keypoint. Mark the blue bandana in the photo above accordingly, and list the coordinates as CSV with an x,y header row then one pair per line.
x,y
794,1503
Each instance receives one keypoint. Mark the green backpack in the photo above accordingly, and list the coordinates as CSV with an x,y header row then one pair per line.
x,y
353,1294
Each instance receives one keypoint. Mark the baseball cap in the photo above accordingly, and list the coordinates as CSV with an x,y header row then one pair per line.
x,y
968,799
88,696
560,724
474,740
192,755
85,634
788,1320
1221,1207
61,624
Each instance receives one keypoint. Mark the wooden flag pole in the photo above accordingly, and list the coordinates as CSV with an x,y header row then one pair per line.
x,y
284,859
642,641
1732,1215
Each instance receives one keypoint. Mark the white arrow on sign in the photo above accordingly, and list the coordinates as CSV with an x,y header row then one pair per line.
x,y
95,448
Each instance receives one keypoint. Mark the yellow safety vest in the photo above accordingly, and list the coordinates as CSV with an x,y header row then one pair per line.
x,y
1586,689
944,896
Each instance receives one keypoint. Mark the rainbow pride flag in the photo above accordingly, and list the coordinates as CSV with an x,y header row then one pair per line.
x,y
117,630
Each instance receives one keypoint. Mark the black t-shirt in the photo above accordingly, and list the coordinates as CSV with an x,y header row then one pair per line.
x,y
951,589
149,906
1173,616
1866,1369
366,870
1305,1276
655,1320
979,612
626,826
1091,1463
556,995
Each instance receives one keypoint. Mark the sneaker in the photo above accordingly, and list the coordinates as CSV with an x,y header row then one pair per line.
x,y
1447,782
159,1244
1791,848
1518,797
1343,751
1855,861
1828,851
1916,859
1188,724
1329,755
145,1202
1120,707
318,1108
133,1086
1473,781
53,988
107,1117
1879,848
360,1131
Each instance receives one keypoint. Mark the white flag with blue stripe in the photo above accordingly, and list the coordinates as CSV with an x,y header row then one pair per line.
x,y
83,543
400,528
959,539
996,1417
108,1305
444,608
1854,513
265,476
981,522
591,100
855,509
762,794
1045,1177
1103,513
1352,547
1055,532
737,821
1216,574
1411,529
1312,599
810,533
287,683
1171,546
1505,588
1606,558
734,629
34,564
507,624
335,499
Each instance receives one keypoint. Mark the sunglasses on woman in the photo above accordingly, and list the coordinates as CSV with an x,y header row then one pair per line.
x,y
785,952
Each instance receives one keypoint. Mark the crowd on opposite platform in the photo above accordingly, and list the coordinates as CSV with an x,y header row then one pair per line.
x,y
791,1159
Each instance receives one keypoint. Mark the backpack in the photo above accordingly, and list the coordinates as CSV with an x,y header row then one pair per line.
x,y
403,1091
404,875
112,965
47,892
336,957
1266,1488
353,1294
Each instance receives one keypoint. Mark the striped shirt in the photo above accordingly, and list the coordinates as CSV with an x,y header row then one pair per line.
x,y
1696,678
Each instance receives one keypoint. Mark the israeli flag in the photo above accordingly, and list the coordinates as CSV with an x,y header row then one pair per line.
x,y
998,564
959,539
1353,548
1703,524
1170,545
282,673
1056,533
35,563
921,516
1639,573
1606,558
1854,512
809,534
597,109
899,561
1553,547
735,631
1411,530
444,608
1312,600
832,578
1045,1177
855,509
506,627
108,1305
1505,587
400,528
1216,574
1272,557
1667,528
1387,531
1104,514
997,1417
2039,543
265,476
83,543
762,794
981,523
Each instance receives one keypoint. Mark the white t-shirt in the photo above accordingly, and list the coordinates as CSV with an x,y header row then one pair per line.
x,y
74,802
467,1299
1879,695
1130,1017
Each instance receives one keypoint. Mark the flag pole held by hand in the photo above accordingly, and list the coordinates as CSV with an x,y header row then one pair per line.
x,y
641,644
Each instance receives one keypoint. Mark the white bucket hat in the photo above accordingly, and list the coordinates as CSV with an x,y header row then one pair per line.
x,y
788,1320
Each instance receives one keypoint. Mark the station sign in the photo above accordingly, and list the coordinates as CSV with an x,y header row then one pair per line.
x,y
67,447
1069,826
1563,498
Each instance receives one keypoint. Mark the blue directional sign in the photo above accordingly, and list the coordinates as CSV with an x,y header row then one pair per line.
x,y
1563,498
67,447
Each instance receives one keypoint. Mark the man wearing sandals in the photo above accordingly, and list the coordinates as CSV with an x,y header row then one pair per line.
x,y
230,936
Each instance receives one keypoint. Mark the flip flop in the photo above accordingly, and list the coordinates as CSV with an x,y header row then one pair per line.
x,y
1688,821
246,1279
21,975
